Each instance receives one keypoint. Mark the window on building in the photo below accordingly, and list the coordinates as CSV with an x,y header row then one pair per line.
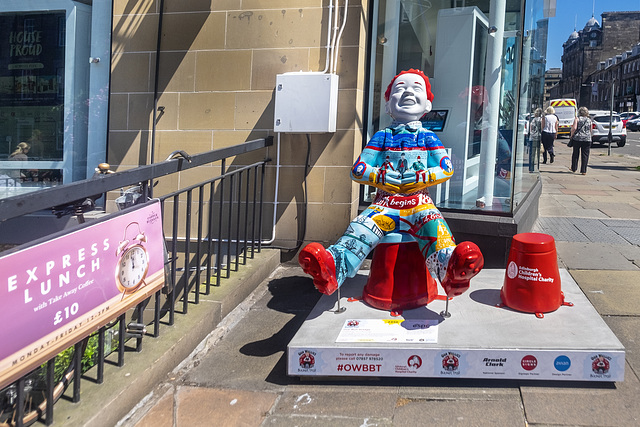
x,y
49,93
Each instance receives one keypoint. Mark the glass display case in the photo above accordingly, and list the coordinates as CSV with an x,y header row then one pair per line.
x,y
486,113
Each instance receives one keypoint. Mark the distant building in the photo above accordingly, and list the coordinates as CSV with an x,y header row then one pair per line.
x,y
551,79
619,74
586,50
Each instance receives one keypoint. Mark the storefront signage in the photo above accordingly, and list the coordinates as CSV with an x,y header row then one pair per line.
x,y
32,49
57,292
431,362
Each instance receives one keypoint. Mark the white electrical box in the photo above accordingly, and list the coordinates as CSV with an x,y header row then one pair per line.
x,y
306,102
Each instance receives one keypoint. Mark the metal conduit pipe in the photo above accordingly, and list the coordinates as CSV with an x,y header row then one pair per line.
x,y
155,91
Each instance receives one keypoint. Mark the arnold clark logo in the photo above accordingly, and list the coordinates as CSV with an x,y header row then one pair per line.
x,y
500,361
494,365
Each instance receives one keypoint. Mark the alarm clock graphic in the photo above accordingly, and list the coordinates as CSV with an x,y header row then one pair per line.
x,y
133,262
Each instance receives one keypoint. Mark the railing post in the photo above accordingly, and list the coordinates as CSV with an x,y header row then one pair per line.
x,y
51,366
77,372
261,208
198,255
230,223
187,254
220,214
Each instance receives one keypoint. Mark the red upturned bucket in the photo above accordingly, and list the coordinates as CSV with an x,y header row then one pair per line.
x,y
399,279
532,280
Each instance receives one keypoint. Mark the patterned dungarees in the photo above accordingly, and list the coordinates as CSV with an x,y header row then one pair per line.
x,y
398,217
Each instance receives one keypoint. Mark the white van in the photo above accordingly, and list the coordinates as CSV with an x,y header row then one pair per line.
x,y
566,110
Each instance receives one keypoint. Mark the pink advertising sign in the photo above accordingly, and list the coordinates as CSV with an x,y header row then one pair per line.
x,y
57,292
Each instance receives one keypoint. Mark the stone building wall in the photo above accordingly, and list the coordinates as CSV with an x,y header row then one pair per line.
x,y
218,65
621,31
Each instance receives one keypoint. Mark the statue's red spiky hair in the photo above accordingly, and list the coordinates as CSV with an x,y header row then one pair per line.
x,y
387,93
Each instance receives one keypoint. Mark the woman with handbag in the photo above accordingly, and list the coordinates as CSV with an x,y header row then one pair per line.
x,y
535,133
549,132
581,140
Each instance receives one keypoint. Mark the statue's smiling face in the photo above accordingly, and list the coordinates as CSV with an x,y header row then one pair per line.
x,y
408,98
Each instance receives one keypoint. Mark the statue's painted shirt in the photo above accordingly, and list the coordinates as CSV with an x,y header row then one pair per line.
x,y
406,149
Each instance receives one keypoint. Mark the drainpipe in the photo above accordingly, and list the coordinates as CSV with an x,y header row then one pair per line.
x,y
155,94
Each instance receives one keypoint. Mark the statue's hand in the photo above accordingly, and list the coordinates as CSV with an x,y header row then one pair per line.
x,y
391,188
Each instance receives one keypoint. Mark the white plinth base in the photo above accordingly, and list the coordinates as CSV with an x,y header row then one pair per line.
x,y
479,340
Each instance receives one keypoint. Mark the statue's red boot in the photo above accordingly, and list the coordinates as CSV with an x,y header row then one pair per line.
x,y
465,262
316,261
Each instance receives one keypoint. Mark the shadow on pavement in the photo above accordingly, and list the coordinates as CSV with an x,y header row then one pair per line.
x,y
293,295
612,167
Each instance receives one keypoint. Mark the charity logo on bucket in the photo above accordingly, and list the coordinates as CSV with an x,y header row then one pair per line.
x,y
512,270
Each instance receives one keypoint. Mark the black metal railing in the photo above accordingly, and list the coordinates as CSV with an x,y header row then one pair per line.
x,y
211,228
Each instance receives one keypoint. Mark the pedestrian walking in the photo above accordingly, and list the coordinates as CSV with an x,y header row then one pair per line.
x,y
549,133
581,139
535,133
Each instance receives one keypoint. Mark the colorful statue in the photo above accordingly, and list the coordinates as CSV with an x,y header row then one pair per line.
x,y
402,210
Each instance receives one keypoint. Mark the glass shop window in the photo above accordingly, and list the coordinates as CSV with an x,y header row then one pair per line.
x,y
32,64
450,45
48,91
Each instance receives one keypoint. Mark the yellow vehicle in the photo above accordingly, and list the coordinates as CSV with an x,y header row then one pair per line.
x,y
566,110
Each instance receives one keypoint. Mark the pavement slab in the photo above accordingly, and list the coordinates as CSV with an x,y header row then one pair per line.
x,y
161,414
630,234
598,232
338,403
612,293
600,193
592,256
562,229
630,252
441,389
584,405
620,210
247,357
199,406
622,223
614,197
421,412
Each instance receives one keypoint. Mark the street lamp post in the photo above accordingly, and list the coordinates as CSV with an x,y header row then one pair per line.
x,y
610,136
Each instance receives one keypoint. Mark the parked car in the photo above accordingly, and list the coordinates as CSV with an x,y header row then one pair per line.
x,y
600,128
634,124
630,115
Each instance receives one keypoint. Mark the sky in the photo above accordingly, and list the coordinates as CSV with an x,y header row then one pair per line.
x,y
561,26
